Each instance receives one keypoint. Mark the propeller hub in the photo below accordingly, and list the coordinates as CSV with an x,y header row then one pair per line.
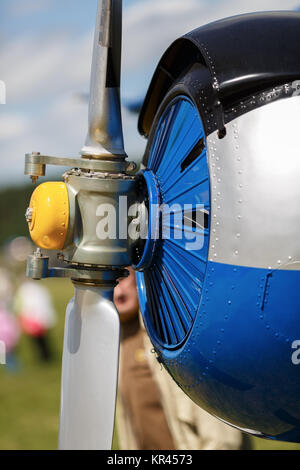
x,y
150,195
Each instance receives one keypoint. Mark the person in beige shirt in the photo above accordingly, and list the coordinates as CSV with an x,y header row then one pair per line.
x,y
153,413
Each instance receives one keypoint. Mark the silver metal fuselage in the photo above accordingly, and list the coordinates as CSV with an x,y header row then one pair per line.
x,y
255,189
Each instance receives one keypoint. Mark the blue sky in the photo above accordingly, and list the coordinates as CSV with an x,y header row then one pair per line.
x,y
45,56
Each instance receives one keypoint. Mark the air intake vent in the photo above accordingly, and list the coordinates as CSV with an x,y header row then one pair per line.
x,y
173,284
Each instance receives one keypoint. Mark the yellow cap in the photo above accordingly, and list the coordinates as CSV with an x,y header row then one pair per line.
x,y
48,215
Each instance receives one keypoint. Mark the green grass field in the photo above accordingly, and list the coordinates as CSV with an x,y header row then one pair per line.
x,y
29,398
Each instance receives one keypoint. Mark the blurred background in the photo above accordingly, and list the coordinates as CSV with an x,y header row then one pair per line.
x,y
45,59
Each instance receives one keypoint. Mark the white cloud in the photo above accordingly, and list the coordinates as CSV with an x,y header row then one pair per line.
x,y
28,7
33,68
42,75
12,126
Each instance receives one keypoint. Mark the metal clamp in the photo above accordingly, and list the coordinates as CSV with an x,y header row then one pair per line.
x,y
38,268
35,164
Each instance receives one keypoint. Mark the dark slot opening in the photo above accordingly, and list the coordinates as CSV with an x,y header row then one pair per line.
x,y
196,219
195,153
112,80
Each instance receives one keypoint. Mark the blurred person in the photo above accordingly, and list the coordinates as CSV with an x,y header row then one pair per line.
x,y
153,413
6,288
9,328
36,313
9,336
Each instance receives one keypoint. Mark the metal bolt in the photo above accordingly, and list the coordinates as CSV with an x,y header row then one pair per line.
x,y
38,253
28,215
131,166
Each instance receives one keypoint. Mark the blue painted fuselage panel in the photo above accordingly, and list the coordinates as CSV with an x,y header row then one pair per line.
x,y
237,359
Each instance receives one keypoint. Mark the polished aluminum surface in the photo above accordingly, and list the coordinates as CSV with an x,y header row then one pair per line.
x,y
255,188
89,370
105,135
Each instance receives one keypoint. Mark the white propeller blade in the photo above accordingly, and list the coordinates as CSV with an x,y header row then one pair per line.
x,y
89,370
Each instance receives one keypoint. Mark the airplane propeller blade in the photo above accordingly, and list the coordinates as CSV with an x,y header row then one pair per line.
x,y
105,134
92,331
89,370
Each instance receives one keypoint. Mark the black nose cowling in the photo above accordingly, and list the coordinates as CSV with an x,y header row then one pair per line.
x,y
239,55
